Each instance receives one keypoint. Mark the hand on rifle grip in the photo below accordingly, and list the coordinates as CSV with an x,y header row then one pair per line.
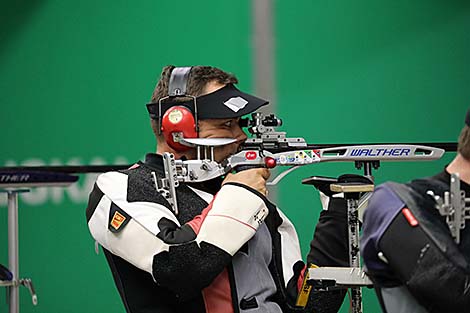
x,y
254,178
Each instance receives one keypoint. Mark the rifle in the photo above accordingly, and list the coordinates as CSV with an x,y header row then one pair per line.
x,y
266,148
270,148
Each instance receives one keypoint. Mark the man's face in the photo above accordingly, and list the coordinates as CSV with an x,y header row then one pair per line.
x,y
213,128
223,128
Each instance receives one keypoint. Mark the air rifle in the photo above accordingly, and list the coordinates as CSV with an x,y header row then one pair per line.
x,y
270,148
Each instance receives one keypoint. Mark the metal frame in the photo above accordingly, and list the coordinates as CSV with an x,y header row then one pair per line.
x,y
13,254
12,186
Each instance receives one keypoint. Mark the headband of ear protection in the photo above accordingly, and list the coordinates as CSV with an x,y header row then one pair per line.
x,y
178,121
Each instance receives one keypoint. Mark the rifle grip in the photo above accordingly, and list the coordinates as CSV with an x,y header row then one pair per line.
x,y
246,167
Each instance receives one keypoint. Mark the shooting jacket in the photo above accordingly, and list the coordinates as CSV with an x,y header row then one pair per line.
x,y
418,251
228,249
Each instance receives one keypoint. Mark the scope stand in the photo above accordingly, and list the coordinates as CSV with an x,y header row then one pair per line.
x,y
13,259
352,277
14,182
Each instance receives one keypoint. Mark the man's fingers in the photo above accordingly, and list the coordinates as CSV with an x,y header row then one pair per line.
x,y
255,178
265,173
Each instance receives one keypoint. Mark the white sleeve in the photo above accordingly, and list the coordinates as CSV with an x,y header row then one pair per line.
x,y
235,216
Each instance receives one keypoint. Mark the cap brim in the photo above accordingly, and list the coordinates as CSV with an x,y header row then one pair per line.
x,y
226,102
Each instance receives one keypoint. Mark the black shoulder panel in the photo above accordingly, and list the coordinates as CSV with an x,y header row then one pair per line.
x,y
93,200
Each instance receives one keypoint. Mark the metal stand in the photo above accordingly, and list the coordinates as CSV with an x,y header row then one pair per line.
x,y
15,182
351,193
352,277
13,254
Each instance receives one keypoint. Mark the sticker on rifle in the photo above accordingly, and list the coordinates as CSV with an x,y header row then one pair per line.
x,y
250,155
298,157
301,157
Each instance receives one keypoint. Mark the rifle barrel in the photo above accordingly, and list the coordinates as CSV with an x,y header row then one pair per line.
x,y
447,146
66,169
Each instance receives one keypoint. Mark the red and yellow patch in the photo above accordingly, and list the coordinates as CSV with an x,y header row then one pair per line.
x,y
117,220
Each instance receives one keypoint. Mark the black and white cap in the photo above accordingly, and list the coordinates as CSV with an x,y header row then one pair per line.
x,y
226,102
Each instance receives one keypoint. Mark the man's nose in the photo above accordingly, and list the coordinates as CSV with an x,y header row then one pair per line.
x,y
240,134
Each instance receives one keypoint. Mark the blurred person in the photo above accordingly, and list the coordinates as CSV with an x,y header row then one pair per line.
x,y
408,250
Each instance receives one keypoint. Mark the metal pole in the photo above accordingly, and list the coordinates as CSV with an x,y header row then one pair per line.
x,y
353,223
13,264
354,261
264,74
263,52
368,169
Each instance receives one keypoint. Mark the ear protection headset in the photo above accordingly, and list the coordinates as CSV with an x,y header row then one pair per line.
x,y
178,121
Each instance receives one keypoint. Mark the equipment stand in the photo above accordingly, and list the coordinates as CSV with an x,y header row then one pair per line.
x,y
352,193
13,254
15,182
348,277
13,249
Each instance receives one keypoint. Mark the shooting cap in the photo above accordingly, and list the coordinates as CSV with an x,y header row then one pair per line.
x,y
467,118
226,102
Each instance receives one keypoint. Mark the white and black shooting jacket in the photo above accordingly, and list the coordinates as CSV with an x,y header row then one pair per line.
x,y
228,250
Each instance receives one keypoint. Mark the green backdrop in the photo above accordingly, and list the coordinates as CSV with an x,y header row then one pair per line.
x,y
74,78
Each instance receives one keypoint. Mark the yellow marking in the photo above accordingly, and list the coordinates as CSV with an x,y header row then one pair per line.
x,y
304,293
117,220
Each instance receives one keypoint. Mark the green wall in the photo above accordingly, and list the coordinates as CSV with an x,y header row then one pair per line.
x,y
370,71
74,78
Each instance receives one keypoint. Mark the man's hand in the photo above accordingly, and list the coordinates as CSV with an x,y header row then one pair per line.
x,y
255,178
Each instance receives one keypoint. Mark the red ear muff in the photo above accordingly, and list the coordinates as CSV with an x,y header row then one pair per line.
x,y
178,122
